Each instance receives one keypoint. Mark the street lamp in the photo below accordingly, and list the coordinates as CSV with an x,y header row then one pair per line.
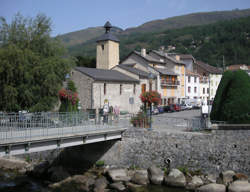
x,y
150,77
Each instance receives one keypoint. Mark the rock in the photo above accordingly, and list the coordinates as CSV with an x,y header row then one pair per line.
x,y
13,164
133,187
226,177
100,184
77,183
140,177
175,178
239,186
212,187
156,175
194,183
240,176
57,174
210,179
118,175
118,186
40,170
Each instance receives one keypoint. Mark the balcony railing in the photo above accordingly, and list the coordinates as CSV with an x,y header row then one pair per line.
x,y
204,81
170,83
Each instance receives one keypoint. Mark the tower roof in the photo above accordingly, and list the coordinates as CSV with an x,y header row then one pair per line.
x,y
108,35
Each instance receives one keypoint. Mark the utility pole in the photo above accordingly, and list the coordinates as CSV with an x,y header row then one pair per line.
x,y
223,63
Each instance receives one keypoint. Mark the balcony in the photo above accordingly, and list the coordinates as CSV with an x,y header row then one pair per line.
x,y
170,83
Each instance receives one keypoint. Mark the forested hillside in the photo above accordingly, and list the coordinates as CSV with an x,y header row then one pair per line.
x,y
208,43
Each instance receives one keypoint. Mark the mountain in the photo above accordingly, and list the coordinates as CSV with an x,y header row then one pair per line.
x,y
77,38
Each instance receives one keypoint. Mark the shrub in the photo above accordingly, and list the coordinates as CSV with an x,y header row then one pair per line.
x,y
232,100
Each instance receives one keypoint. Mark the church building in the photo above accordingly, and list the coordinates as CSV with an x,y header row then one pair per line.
x,y
119,86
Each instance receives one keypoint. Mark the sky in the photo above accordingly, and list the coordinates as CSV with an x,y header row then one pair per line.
x,y
73,15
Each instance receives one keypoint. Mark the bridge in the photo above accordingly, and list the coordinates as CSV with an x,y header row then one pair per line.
x,y
34,132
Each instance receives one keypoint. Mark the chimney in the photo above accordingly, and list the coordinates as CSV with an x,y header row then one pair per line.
x,y
177,57
143,52
162,48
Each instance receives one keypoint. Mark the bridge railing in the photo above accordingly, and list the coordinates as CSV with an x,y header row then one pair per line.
x,y
51,124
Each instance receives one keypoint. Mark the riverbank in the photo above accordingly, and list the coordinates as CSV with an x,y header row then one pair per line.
x,y
44,176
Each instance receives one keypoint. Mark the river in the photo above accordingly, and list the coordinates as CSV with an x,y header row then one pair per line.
x,y
9,182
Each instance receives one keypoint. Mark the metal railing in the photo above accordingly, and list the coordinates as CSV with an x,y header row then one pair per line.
x,y
170,83
28,126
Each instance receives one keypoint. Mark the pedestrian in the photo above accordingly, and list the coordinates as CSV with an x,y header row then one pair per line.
x,y
116,112
105,113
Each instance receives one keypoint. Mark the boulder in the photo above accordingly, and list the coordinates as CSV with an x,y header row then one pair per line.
x,y
13,164
226,177
194,183
118,175
212,187
240,176
175,178
133,187
100,184
77,183
239,186
118,186
140,177
156,175
40,170
57,174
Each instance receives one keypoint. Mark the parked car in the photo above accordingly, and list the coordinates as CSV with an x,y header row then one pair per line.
x,y
160,109
155,110
183,107
168,108
186,106
176,107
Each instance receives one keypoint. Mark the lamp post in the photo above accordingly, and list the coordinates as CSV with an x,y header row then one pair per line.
x,y
67,86
150,77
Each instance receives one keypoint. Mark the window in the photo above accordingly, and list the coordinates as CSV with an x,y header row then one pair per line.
x,y
102,47
207,90
204,90
120,89
189,89
134,88
143,88
165,101
104,89
195,79
189,79
195,89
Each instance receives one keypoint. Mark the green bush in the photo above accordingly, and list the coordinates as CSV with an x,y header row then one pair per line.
x,y
232,100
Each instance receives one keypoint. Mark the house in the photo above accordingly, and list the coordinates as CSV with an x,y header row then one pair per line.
x,y
168,71
192,85
109,82
239,66
213,76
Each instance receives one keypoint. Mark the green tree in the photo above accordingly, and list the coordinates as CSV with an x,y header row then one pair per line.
x,y
232,99
32,64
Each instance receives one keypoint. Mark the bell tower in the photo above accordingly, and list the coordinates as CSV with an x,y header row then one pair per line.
x,y
107,49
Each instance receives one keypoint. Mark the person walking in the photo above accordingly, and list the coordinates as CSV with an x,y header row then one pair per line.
x,y
105,113
116,112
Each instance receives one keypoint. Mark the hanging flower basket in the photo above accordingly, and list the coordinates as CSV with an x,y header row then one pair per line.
x,y
68,95
151,97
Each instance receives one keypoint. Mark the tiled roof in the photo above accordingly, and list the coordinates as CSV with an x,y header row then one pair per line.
x,y
149,58
108,36
105,75
239,66
165,55
209,68
139,72
186,56
190,73
165,72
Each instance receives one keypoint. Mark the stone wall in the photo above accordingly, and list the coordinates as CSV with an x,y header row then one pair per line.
x,y
84,86
209,152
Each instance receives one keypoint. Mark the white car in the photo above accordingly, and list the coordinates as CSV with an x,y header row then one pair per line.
x,y
188,106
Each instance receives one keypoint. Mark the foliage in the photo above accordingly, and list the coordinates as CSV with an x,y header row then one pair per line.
x,y
69,100
208,43
233,98
100,163
32,66
85,62
140,120
151,97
